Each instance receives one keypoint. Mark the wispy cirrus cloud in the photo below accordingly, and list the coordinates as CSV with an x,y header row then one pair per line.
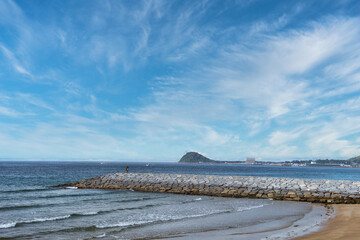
x,y
264,77
244,80
8,112
151,77
334,135
15,63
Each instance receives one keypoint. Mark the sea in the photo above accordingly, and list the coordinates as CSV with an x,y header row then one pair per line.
x,y
30,208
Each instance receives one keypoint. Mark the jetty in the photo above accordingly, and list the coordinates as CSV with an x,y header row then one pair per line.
x,y
290,189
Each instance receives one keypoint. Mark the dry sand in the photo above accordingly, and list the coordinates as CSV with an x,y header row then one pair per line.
x,y
345,225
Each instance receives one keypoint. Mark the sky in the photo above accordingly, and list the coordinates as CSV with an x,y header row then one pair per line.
x,y
152,80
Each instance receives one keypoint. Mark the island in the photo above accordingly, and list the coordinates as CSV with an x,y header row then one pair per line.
x,y
194,157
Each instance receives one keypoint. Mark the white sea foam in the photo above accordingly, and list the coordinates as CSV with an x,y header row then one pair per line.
x,y
7,225
45,219
123,224
198,199
88,213
101,236
240,209
179,217
35,220
72,187
155,218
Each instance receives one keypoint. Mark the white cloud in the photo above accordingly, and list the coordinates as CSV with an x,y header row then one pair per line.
x,y
23,104
33,100
349,105
10,13
22,70
9,112
14,61
214,138
248,81
331,138
266,76
62,36
279,137
250,85
277,152
56,139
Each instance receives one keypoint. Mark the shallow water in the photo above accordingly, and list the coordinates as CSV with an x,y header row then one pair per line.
x,y
82,213
30,208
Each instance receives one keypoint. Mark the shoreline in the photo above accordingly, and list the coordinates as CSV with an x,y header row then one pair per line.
x,y
344,225
310,223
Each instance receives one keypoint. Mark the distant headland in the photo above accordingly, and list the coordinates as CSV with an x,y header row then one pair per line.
x,y
194,157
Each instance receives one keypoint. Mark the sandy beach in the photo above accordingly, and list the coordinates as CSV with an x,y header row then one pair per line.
x,y
344,226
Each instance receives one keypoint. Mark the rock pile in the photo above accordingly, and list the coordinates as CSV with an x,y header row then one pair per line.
x,y
310,190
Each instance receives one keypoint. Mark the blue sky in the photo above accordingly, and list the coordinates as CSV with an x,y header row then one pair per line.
x,y
151,80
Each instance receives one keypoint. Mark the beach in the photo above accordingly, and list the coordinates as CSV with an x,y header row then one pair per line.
x,y
345,225
286,228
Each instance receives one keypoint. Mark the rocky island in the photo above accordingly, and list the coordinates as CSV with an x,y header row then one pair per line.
x,y
194,157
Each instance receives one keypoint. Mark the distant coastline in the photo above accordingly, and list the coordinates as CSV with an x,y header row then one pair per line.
x,y
197,158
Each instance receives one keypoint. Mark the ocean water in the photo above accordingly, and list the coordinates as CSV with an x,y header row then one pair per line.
x,y
30,208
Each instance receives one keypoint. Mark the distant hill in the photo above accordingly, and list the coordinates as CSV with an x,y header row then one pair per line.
x,y
355,159
194,157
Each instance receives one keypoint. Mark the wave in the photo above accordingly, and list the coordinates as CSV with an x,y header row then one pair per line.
x,y
53,189
124,224
45,219
26,206
14,207
35,220
7,225
69,195
135,199
97,196
156,219
26,190
101,236
113,210
241,209
84,214
74,229
87,213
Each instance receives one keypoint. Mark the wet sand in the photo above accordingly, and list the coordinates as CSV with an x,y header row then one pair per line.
x,y
285,228
344,226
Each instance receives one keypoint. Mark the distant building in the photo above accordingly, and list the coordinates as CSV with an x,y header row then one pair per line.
x,y
250,161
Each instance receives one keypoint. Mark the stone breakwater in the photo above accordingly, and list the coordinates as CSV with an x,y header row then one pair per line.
x,y
309,190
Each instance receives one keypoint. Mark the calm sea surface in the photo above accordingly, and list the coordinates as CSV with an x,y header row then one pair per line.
x,y
30,208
